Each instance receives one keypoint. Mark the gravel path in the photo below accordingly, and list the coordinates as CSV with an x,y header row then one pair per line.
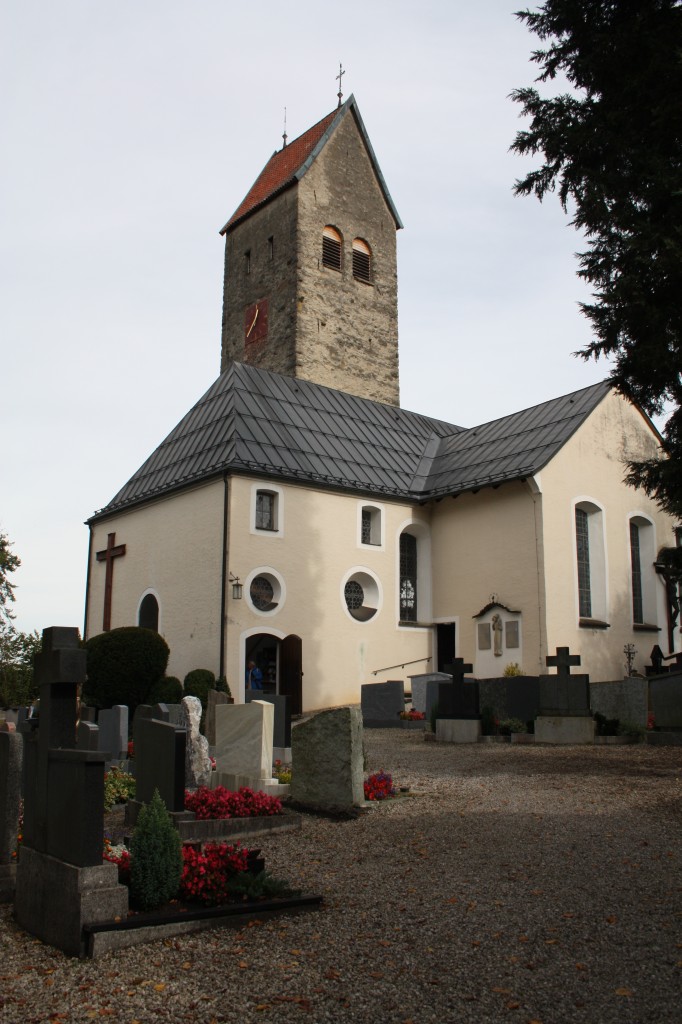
x,y
516,884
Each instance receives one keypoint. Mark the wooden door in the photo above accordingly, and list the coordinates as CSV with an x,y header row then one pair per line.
x,y
291,672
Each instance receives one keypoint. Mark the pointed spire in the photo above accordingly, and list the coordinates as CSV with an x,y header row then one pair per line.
x,y
284,133
340,76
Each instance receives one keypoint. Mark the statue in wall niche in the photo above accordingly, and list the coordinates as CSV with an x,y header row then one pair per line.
x,y
497,634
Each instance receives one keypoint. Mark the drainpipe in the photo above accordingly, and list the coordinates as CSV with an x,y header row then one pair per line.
x,y
87,582
223,586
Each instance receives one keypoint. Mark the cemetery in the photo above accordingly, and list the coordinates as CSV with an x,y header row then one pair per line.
x,y
75,890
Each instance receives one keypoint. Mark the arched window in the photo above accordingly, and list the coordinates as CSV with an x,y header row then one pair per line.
x,y
408,578
331,248
643,578
148,615
591,563
362,261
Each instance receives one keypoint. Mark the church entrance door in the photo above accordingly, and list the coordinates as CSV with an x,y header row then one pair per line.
x,y
445,642
291,672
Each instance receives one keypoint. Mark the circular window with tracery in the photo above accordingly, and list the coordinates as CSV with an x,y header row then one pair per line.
x,y
361,596
262,594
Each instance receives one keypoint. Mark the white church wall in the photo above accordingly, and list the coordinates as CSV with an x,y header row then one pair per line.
x,y
320,550
486,544
173,549
589,472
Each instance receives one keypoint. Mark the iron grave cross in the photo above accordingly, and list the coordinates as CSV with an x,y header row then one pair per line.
x,y
112,551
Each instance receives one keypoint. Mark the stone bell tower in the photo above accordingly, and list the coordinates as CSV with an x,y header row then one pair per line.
x,y
310,287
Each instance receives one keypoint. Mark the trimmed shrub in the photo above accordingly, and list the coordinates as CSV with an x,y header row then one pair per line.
x,y
197,684
123,666
166,691
155,856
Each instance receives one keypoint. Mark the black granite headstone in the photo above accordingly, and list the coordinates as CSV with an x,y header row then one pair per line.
x,y
458,699
564,695
160,763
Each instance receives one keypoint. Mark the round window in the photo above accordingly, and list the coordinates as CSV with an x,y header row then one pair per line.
x,y
262,594
361,595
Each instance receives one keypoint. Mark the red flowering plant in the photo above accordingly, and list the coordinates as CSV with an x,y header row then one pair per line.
x,y
223,803
206,874
120,856
412,715
651,721
379,786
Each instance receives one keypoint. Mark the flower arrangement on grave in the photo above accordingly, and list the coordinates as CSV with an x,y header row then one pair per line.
x,y
206,873
20,831
379,786
119,787
412,715
651,720
120,856
224,803
282,772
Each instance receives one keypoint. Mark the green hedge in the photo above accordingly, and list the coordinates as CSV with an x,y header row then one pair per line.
x,y
124,665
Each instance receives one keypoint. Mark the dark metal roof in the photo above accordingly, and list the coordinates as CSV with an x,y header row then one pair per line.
x,y
254,421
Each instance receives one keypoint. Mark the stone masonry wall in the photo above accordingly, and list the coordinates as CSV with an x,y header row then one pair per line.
x,y
347,330
272,277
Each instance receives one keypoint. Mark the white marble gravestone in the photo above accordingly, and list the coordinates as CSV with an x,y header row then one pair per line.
x,y
243,747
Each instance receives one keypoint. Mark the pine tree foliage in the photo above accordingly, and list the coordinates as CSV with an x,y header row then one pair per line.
x,y
155,856
612,149
9,563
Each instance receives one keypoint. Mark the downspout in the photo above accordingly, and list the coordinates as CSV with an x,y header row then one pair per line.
x,y
223,587
87,583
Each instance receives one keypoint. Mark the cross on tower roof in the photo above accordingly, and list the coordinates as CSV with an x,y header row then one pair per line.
x,y
340,76
112,551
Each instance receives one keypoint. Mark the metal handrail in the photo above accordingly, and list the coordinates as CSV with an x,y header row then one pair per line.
x,y
389,667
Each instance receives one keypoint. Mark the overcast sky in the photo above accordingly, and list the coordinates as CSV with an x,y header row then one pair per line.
x,y
132,130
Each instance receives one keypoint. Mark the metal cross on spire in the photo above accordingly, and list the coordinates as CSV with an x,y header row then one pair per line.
x,y
340,76
284,133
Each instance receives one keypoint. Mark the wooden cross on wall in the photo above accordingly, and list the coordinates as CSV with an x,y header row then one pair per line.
x,y
112,551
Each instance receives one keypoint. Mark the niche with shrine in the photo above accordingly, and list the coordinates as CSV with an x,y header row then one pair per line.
x,y
498,636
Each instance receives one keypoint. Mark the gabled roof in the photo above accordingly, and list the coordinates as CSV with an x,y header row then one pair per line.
x,y
261,423
286,166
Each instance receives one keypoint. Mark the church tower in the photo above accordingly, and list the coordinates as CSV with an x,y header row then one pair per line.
x,y
310,287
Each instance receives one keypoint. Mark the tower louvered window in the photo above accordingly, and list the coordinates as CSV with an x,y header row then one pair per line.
x,y
331,248
362,261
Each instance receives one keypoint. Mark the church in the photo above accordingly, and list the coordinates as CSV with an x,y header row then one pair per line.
x,y
298,518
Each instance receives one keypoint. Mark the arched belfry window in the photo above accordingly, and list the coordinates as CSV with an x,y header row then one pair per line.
x,y
331,248
148,615
362,261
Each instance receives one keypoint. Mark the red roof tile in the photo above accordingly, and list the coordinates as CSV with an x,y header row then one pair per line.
x,y
280,169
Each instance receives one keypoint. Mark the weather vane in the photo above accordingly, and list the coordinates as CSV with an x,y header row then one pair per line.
x,y
340,76
284,133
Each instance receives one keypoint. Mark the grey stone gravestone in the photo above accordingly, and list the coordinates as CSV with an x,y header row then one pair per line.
x,y
328,760
381,704
11,753
87,736
419,685
62,883
176,715
113,732
281,736
197,760
215,698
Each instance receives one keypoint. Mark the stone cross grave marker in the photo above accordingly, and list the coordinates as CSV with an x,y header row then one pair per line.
x,y
459,698
563,694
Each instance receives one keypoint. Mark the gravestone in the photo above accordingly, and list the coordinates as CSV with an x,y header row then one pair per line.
x,y
243,749
87,736
419,685
62,883
281,735
328,760
459,719
565,715
11,753
381,704
197,759
113,732
665,700
176,714
215,697
159,764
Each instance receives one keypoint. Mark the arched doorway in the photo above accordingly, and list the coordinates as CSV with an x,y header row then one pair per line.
x,y
280,659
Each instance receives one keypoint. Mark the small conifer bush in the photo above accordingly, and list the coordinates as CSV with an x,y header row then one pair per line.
x,y
156,857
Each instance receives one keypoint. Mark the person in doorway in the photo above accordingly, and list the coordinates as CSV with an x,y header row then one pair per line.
x,y
254,677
